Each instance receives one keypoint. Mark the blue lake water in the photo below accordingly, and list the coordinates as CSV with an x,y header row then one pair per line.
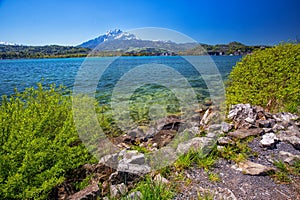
x,y
25,73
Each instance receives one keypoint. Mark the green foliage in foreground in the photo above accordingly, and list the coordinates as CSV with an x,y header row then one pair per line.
x,y
39,145
154,190
269,78
285,172
205,161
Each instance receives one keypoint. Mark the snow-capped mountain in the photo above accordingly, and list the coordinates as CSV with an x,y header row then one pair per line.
x,y
116,40
116,34
7,43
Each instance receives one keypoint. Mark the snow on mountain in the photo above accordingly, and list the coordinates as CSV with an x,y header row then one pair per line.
x,y
126,36
7,43
111,35
117,40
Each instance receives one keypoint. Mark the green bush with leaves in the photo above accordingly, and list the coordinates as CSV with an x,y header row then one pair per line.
x,y
39,144
269,78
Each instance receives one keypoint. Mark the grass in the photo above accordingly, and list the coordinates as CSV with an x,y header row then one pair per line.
x,y
205,196
165,171
207,162
238,152
213,177
198,158
296,168
140,149
185,161
154,190
282,175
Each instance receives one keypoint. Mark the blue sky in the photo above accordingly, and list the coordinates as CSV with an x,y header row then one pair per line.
x,y
70,22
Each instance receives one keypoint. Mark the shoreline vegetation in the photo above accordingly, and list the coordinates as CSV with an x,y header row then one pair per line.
x,y
56,51
42,156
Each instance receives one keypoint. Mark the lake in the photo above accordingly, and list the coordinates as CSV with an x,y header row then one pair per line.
x,y
25,73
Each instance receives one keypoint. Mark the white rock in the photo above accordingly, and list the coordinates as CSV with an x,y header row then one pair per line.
x,y
277,127
285,117
268,140
205,118
133,168
118,190
250,120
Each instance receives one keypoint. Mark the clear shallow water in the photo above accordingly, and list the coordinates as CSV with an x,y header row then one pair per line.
x,y
21,74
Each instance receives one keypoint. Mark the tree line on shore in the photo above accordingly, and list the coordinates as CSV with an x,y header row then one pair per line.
x,y
56,51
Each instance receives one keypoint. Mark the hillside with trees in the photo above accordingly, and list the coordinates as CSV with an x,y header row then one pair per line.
x,y
48,51
233,48
125,48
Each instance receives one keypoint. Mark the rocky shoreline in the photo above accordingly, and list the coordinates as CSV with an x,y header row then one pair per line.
x,y
272,138
275,137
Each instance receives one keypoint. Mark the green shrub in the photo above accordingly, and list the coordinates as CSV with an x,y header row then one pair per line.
x,y
39,145
269,78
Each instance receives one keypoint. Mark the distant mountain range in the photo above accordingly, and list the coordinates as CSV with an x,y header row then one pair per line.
x,y
118,40
111,35
7,43
119,43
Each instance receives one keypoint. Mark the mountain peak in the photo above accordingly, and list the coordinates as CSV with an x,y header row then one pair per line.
x,y
117,40
110,35
114,32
